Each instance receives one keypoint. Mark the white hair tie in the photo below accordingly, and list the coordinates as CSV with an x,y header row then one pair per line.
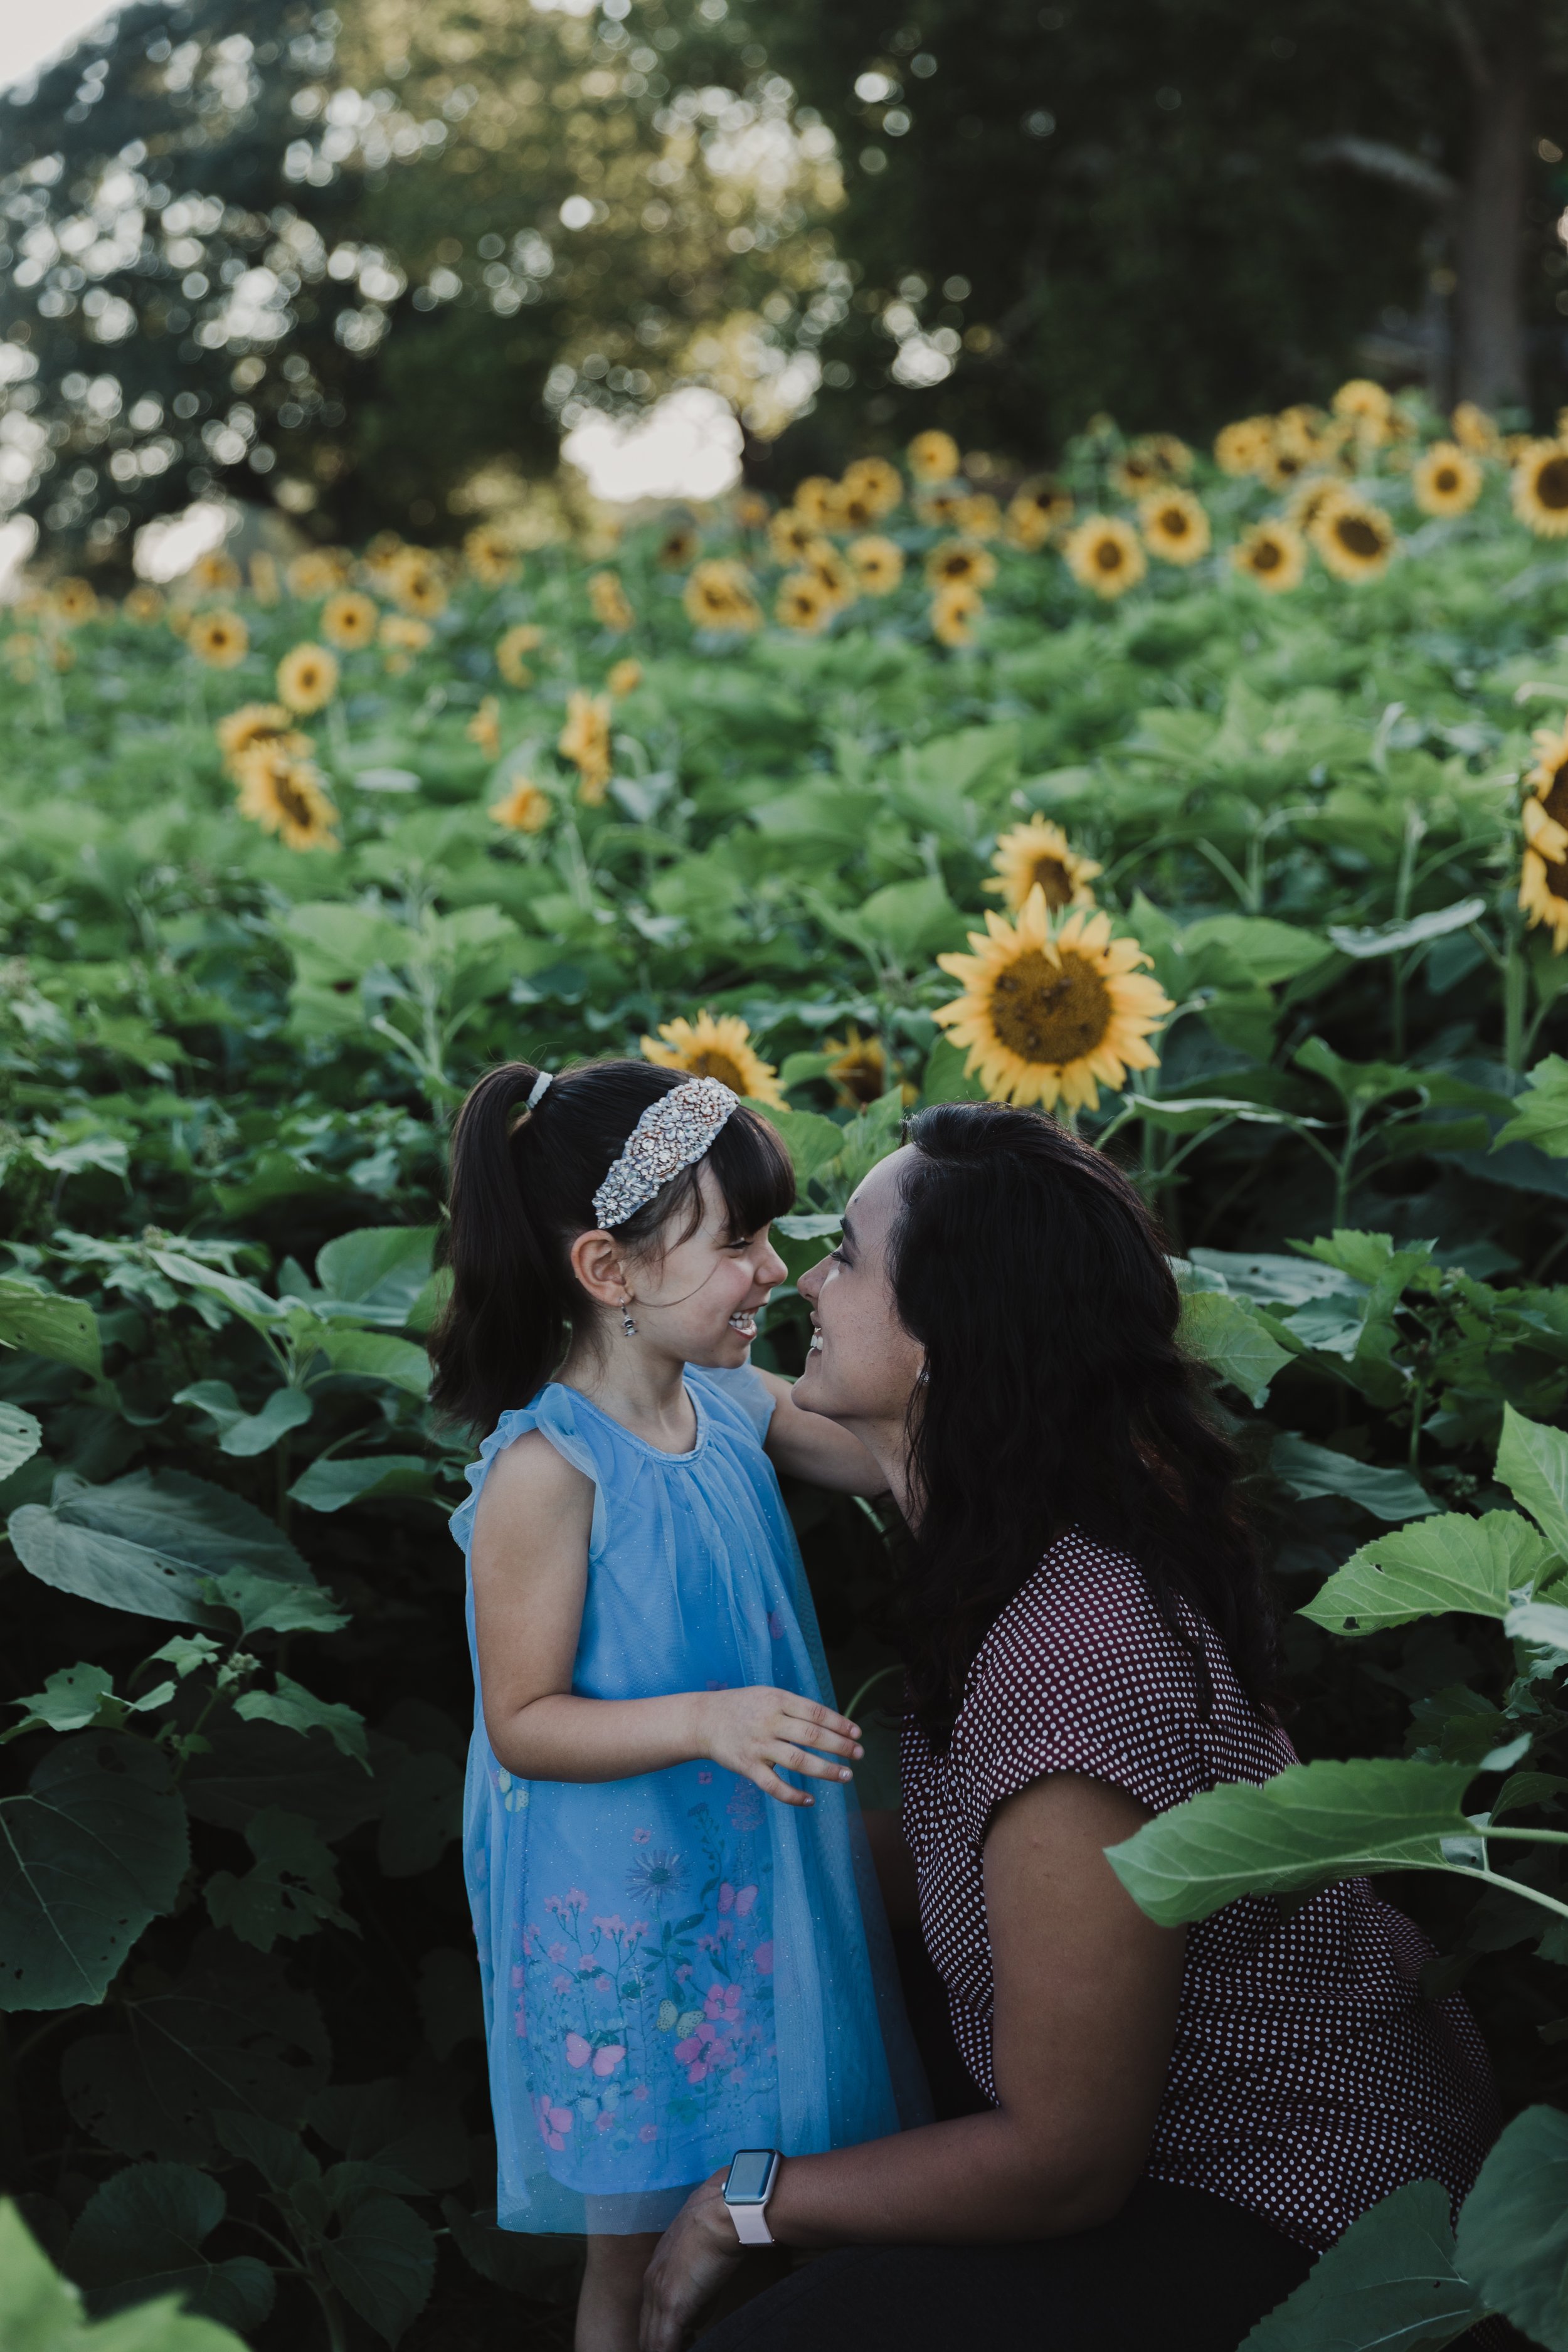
x,y
538,1092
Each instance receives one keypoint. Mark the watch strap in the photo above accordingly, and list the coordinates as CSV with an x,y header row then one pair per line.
x,y
751,2224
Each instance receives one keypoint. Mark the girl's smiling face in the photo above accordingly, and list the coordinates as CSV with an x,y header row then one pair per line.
x,y
700,1299
863,1365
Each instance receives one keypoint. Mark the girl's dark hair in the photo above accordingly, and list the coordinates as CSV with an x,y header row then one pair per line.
x,y
1055,1396
522,1187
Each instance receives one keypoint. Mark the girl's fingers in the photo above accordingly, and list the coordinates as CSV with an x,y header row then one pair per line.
x,y
822,1719
772,1786
791,1759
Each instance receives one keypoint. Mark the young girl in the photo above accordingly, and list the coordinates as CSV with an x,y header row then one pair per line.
x,y
682,1947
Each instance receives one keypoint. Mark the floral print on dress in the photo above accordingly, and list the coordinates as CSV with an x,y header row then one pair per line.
x,y
641,2030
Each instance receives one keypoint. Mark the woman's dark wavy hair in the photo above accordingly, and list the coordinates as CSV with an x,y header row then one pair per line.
x,y
521,1190
1056,1395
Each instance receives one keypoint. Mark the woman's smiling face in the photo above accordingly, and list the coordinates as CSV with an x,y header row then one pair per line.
x,y
863,1364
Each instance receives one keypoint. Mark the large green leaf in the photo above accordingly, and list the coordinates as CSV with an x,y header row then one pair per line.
x,y
151,1544
141,2233
1309,1470
1307,1827
41,2312
248,1764
299,1709
811,1141
383,2263
377,1356
20,1438
1513,2227
48,1324
1541,1112
243,1433
94,1848
339,1479
909,919
292,1889
1417,931
379,1270
1389,2284
1449,1562
1533,1463
1231,1337
1263,950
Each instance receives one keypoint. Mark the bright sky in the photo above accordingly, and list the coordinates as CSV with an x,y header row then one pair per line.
x,y
34,30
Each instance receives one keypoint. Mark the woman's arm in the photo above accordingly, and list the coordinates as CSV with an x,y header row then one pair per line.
x,y
530,1567
814,1449
1086,1995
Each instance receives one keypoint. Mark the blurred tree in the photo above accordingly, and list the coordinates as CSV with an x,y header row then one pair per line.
x,y
349,269
1182,212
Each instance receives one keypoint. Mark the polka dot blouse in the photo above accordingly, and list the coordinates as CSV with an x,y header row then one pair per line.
x,y
1309,2078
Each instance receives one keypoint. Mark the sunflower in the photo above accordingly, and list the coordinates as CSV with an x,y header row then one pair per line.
x,y
1446,481
1303,432
1103,553
585,741
612,606
1281,466
1176,526
220,639
490,555
877,483
718,1048
1273,555
524,638
307,678
285,796
525,807
414,582
954,613
852,511
1052,1016
624,677
934,457
943,507
1311,498
789,535
960,561
400,640
1038,857
878,565
751,511
1540,488
1544,874
1033,512
1137,471
349,619
266,581
1367,405
1474,429
817,498
254,724
1171,452
484,727
803,603
718,595
681,545
1354,540
1246,446
979,516
214,575
315,574
142,605
73,601
825,563
859,1068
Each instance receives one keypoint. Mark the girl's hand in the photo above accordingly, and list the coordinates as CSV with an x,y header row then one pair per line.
x,y
759,1731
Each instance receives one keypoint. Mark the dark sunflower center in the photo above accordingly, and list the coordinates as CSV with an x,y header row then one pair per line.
x,y
1446,479
1050,1013
294,805
1108,555
1551,484
1556,801
1359,536
1053,879
712,1063
1267,555
1174,523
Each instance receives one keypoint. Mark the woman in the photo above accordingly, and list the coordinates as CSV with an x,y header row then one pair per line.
x,y
1175,2122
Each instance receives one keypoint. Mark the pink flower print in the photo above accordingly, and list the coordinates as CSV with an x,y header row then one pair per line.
x,y
726,1897
516,1977
561,1984
764,1957
697,2074
614,1925
556,1952
520,2024
639,2090
688,2051
578,2051
745,1899
553,1903
703,1779
775,1626
577,1899
683,1972
647,2132
603,2122
561,2119
607,2058
641,1837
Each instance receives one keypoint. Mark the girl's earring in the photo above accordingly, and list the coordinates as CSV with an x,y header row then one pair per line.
x,y
628,1326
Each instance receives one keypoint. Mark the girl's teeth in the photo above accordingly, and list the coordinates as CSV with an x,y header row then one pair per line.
x,y
815,1345
745,1324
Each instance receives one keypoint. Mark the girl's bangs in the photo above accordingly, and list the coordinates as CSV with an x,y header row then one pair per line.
x,y
753,1172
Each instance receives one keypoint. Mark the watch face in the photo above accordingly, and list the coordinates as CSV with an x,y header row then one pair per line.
x,y
749,2173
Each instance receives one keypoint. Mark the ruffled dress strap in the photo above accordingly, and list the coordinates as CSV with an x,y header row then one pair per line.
x,y
552,1413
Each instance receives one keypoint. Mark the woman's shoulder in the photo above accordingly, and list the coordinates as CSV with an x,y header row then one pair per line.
x,y
1088,1614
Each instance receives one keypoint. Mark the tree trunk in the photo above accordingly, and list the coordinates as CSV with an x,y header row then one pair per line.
x,y
1488,305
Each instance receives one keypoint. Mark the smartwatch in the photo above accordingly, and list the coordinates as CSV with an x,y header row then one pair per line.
x,y
753,2172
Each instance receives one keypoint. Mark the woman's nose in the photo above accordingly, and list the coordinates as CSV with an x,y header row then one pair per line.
x,y
810,1282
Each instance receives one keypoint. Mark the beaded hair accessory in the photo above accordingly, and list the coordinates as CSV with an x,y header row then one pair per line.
x,y
672,1133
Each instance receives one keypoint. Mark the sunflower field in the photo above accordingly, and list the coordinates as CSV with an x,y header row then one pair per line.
x,y
1218,804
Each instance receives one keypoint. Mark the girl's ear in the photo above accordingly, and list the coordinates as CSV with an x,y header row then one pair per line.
x,y
596,1262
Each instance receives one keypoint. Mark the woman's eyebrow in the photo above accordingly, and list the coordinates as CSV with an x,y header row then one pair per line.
x,y
847,1231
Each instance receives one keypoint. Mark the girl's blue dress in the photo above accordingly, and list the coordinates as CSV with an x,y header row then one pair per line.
x,y
675,1966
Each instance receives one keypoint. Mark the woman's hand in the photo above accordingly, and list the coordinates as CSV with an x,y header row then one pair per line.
x,y
692,2261
759,1731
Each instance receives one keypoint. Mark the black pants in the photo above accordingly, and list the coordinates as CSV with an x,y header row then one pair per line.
x,y
1177,2270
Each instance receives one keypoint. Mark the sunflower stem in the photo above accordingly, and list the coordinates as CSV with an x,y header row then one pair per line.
x,y
1515,994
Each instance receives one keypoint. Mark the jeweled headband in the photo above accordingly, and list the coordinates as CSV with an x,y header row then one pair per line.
x,y
672,1133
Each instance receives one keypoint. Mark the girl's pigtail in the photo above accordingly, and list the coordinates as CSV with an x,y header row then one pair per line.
x,y
504,1328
